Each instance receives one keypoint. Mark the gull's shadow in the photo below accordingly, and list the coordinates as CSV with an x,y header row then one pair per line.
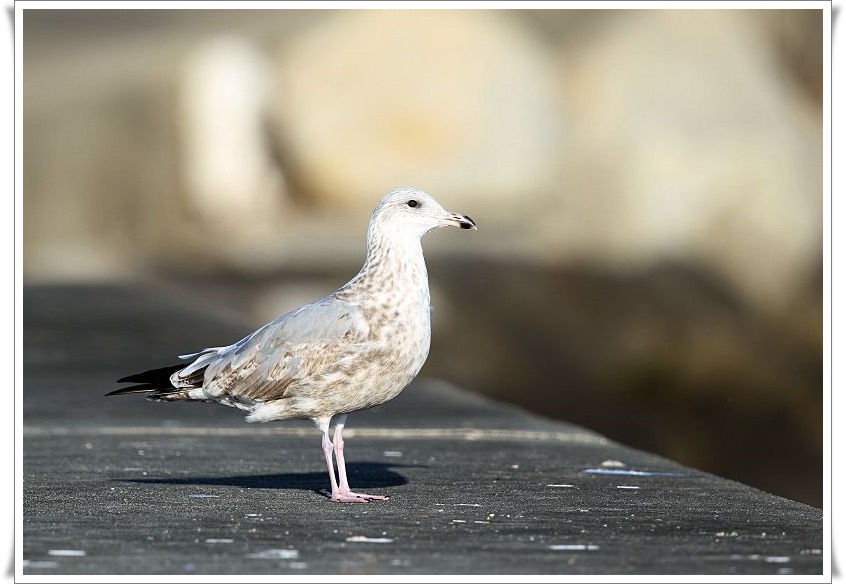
x,y
362,475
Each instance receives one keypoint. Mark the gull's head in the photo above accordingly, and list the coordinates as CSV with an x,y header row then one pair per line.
x,y
413,212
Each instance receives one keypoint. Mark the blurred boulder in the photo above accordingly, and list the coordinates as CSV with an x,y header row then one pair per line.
x,y
460,103
143,136
689,140
228,175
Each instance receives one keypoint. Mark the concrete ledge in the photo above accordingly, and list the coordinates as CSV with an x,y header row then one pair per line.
x,y
126,486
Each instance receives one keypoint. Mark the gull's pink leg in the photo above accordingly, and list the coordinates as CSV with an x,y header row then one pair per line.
x,y
323,424
345,494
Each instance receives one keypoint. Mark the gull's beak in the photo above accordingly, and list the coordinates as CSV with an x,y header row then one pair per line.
x,y
462,221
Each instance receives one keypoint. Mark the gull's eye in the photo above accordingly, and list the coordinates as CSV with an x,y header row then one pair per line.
x,y
413,203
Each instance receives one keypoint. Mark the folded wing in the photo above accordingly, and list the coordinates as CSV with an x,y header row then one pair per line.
x,y
299,344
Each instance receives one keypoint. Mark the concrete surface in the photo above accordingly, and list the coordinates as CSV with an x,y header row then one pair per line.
x,y
123,486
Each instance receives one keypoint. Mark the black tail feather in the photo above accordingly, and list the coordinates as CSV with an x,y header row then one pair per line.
x,y
159,377
156,381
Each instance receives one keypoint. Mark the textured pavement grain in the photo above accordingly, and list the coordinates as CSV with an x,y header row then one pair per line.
x,y
126,486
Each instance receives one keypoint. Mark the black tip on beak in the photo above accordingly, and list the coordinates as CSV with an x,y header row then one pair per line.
x,y
466,222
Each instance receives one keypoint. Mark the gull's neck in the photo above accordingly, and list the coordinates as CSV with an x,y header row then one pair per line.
x,y
394,262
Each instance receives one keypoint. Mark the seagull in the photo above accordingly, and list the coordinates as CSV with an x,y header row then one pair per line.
x,y
354,349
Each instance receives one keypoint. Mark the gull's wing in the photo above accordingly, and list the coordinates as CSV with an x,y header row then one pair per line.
x,y
298,344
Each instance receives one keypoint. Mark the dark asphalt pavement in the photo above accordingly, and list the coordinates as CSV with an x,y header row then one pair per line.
x,y
122,485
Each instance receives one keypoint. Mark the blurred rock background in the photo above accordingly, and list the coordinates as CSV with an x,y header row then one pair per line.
x,y
647,183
